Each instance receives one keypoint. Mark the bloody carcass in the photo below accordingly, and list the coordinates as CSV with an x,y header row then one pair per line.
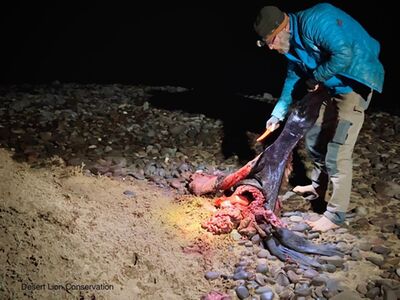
x,y
249,199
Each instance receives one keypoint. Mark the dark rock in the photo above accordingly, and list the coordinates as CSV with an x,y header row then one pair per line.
x,y
310,273
261,279
242,292
303,291
255,239
346,295
262,289
211,275
286,295
365,246
130,194
375,260
262,268
379,249
241,275
267,295
282,279
389,294
293,277
356,254
373,293
386,188
334,260
263,253
319,280
362,288
329,268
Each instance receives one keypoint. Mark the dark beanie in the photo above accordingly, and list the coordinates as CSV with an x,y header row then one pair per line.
x,y
268,19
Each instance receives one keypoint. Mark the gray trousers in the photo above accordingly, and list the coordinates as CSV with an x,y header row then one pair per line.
x,y
330,143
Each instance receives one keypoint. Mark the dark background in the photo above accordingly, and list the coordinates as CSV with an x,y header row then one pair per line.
x,y
204,46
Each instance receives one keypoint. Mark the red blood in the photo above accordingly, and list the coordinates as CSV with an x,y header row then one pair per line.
x,y
216,296
246,202
235,177
203,183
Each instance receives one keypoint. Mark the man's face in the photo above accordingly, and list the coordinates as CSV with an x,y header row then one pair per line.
x,y
280,42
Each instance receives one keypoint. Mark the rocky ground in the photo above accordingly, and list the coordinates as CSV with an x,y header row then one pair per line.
x,y
96,192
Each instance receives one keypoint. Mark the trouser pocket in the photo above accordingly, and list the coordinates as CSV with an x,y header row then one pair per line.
x,y
341,132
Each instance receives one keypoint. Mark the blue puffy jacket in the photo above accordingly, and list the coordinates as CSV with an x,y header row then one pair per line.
x,y
329,44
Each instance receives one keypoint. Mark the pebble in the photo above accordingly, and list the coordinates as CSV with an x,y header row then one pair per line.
x,y
262,268
241,275
375,260
263,253
334,260
128,193
362,288
379,249
318,280
356,254
249,244
373,293
263,289
261,279
303,291
329,268
236,236
282,279
296,219
364,246
210,275
268,295
293,277
345,295
256,239
310,273
242,292
286,295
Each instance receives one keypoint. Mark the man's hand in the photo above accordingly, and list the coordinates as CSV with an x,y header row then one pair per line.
x,y
272,123
312,85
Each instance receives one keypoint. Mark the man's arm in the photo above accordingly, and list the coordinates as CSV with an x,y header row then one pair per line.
x,y
329,35
282,106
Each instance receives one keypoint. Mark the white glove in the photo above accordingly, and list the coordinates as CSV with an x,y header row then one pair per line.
x,y
272,123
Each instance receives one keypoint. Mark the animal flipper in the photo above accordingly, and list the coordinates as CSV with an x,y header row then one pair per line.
x,y
298,243
271,244
284,253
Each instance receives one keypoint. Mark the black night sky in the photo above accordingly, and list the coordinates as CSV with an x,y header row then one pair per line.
x,y
204,46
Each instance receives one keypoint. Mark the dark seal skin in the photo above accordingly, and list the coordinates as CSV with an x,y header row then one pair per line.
x,y
291,240
285,254
270,167
275,241
273,248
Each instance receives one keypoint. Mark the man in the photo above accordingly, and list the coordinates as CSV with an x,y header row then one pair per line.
x,y
325,47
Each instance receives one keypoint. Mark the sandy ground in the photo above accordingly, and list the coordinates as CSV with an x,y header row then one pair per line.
x,y
65,235
100,238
